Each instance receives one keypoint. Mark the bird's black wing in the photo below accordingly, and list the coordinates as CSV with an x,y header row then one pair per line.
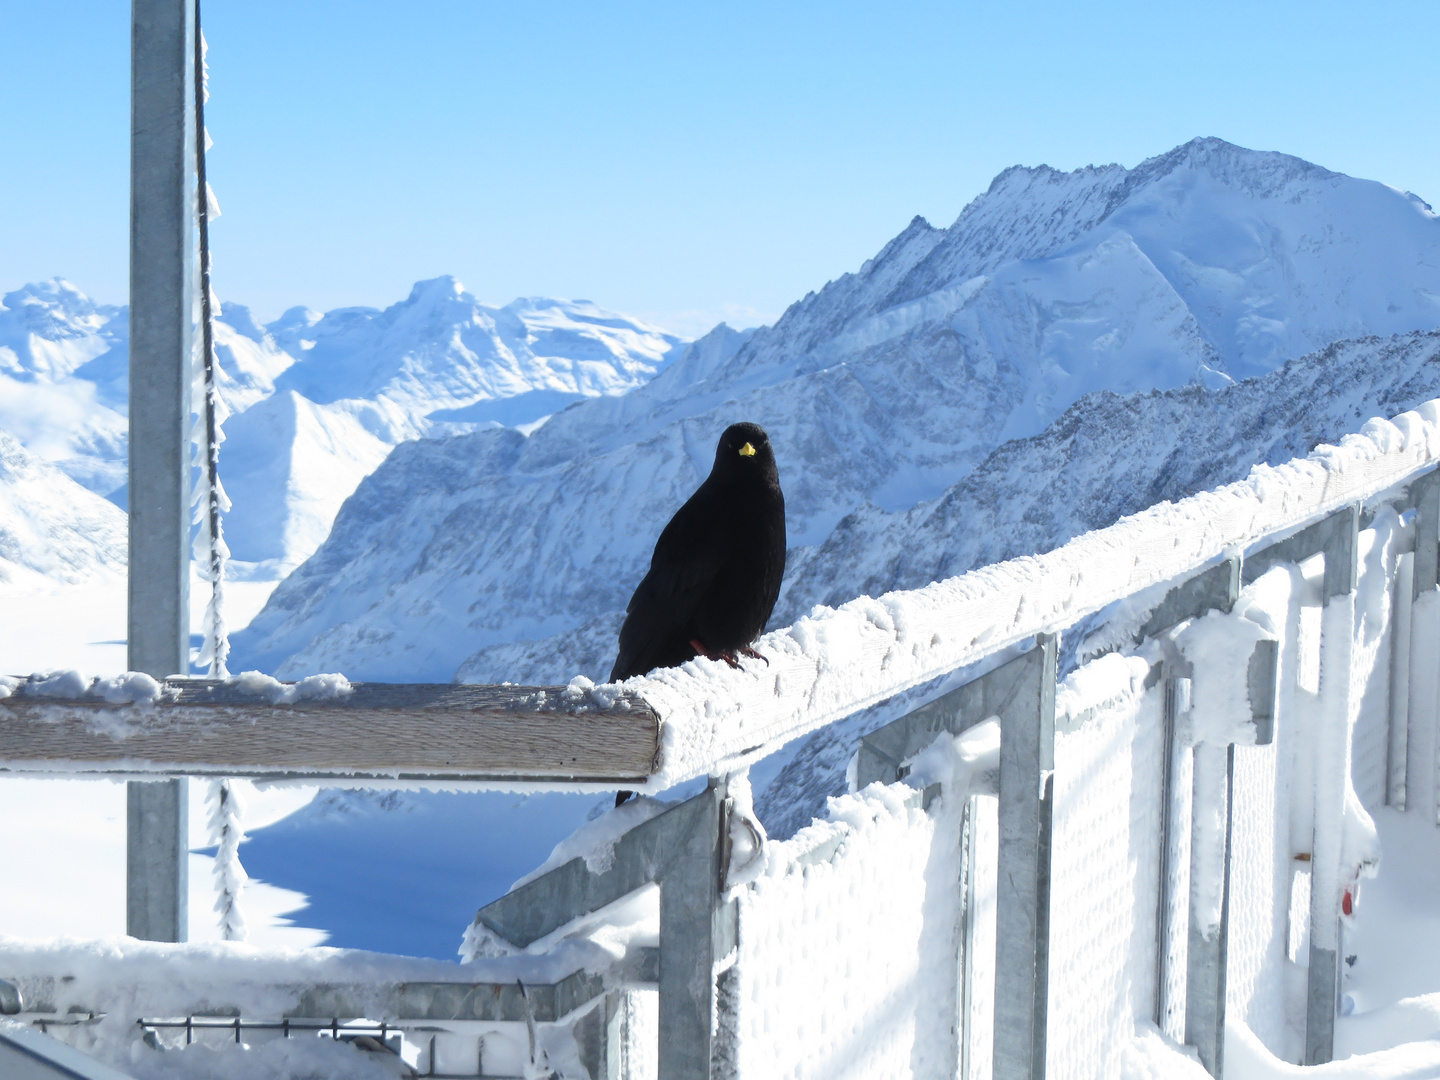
x,y
688,557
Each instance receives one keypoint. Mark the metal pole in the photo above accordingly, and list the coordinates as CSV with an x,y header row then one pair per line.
x,y
1207,953
1172,914
1022,931
162,321
695,932
1332,766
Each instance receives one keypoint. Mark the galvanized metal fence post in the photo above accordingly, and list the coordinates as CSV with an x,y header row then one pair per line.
x,y
1332,767
695,933
685,852
1172,914
1207,941
1021,693
1207,953
1418,767
162,320
1022,929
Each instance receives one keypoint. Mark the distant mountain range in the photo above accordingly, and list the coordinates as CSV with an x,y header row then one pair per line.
x,y
52,529
970,393
319,400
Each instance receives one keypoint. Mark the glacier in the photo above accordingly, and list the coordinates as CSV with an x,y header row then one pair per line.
x,y
502,556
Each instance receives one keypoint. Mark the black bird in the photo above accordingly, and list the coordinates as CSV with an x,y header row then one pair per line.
x,y
717,566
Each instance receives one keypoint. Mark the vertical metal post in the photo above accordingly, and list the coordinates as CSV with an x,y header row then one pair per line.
x,y
1173,900
1397,748
1022,947
1209,906
1207,938
695,932
968,918
1422,777
1425,493
162,295
1332,765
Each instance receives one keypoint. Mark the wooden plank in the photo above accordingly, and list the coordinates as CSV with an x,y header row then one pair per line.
x,y
399,730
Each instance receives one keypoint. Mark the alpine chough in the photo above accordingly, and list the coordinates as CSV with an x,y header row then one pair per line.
x,y
717,566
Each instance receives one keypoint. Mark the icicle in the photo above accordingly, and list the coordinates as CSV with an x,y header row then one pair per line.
x,y
210,502
209,499
227,830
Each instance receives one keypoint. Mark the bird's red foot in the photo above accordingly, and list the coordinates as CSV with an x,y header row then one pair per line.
x,y
748,651
700,650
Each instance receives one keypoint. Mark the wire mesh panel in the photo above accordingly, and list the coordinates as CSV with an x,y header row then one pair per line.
x,y
846,965
1262,848
1104,884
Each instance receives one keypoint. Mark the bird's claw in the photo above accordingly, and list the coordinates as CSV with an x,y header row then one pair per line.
x,y
728,657
753,654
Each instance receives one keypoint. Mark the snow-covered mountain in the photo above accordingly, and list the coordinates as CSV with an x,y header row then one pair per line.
x,y
51,528
513,556
318,400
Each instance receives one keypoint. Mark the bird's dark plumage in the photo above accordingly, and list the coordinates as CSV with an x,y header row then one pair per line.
x,y
717,566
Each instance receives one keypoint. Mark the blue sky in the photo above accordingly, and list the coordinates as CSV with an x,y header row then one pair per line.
x,y
684,162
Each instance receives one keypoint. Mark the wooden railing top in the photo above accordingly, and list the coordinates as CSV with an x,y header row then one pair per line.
x,y
703,717
327,728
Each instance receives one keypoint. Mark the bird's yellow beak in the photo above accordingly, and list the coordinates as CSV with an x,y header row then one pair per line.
x,y
747,450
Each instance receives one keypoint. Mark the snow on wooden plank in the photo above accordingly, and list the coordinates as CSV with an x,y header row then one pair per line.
x,y
264,728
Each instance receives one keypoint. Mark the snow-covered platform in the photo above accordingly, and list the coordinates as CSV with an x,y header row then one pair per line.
x,y
1057,858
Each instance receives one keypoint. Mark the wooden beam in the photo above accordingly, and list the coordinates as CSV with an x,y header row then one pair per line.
x,y
392,730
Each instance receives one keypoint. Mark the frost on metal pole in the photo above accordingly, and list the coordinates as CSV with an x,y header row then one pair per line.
x,y
162,327
1332,768
1022,929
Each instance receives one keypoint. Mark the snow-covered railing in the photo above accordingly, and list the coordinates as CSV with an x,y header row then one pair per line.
x,y
489,1018
321,728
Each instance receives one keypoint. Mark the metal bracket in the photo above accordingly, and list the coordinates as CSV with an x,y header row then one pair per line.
x,y
681,851
883,752
1337,537
1210,590
1263,683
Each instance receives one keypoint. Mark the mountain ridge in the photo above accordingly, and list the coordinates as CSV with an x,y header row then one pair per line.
x,y
886,387
316,400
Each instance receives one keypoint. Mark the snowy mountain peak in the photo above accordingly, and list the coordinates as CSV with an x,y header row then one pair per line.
x,y
442,349
238,318
885,389
50,328
50,527
436,289
317,400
